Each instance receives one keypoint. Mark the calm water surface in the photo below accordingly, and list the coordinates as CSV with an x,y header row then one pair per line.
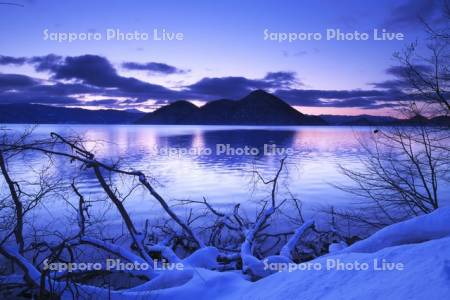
x,y
223,178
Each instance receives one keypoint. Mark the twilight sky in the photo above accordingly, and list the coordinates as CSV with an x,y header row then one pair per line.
x,y
223,52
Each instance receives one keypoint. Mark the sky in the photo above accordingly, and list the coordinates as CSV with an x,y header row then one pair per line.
x,y
222,49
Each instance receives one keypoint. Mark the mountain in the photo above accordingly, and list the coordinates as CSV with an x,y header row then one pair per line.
x,y
413,121
218,112
257,108
441,121
368,120
360,120
179,112
43,114
419,120
134,111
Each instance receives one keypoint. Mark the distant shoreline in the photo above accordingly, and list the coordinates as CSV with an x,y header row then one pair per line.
x,y
224,125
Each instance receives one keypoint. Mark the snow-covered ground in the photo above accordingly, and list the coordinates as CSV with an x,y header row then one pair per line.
x,y
417,249
407,260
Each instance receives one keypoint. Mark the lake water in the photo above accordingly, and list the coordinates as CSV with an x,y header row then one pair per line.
x,y
216,162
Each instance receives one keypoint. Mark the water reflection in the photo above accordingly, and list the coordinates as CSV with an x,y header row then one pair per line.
x,y
224,179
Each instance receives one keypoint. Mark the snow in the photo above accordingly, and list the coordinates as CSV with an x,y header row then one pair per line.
x,y
336,247
165,280
250,263
290,245
166,252
426,275
407,260
122,252
421,246
423,228
203,258
33,273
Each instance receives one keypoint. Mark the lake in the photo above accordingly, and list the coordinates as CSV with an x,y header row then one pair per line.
x,y
217,162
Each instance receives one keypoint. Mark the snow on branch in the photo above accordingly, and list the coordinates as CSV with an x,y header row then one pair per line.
x,y
287,249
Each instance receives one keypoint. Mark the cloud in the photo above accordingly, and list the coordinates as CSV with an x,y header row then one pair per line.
x,y
74,75
153,68
15,88
9,60
45,63
72,78
66,89
403,77
89,69
44,100
403,71
41,63
14,81
108,103
97,71
96,75
26,97
391,84
339,98
409,13
226,87
235,87
285,79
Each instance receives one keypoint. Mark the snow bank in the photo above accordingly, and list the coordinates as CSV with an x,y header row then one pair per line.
x,y
408,260
203,258
416,230
421,246
426,275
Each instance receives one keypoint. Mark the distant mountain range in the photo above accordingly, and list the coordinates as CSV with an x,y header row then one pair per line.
x,y
257,108
357,120
43,114
368,120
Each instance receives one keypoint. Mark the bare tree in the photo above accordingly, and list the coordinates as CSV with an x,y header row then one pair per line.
x,y
210,239
405,167
402,170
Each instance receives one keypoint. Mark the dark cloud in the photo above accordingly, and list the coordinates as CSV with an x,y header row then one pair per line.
x,y
41,63
45,63
108,103
14,81
285,79
391,84
403,76
104,102
227,87
28,90
153,68
410,13
86,74
16,88
403,71
339,98
66,89
94,75
97,71
90,69
26,97
235,87
9,60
